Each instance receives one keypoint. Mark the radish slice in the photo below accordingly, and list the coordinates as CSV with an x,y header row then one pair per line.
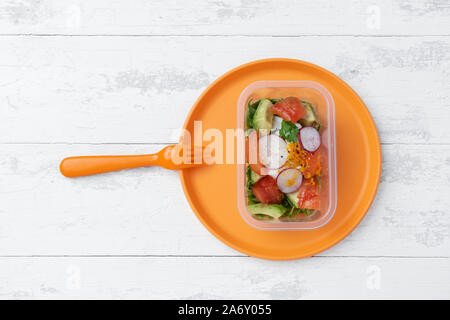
x,y
309,137
272,151
289,180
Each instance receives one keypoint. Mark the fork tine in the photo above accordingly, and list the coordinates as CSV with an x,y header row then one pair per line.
x,y
192,154
189,150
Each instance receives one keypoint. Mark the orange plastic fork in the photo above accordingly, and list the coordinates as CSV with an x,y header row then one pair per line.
x,y
87,165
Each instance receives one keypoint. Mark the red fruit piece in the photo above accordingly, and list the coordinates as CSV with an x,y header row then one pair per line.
x,y
308,196
266,190
290,109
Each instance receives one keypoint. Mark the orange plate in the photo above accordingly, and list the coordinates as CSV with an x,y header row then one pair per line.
x,y
211,190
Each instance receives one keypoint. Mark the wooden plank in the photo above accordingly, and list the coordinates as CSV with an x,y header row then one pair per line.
x,y
144,212
139,90
232,17
218,278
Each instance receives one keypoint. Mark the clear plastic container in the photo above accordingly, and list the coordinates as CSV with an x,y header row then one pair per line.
x,y
321,98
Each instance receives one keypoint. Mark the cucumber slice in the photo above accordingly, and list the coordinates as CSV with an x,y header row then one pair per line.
x,y
273,210
263,217
311,119
262,120
254,177
293,198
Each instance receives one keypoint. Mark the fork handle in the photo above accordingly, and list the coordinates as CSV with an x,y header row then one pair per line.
x,y
87,165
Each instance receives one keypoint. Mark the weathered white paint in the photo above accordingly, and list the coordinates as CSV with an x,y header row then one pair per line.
x,y
231,17
223,277
143,211
103,77
139,90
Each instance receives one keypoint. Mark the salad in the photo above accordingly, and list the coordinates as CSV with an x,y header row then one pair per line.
x,y
284,158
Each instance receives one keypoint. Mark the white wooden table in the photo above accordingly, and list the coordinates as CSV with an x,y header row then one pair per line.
x,y
118,77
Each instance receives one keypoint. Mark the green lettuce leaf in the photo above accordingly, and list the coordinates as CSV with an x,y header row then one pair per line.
x,y
289,131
